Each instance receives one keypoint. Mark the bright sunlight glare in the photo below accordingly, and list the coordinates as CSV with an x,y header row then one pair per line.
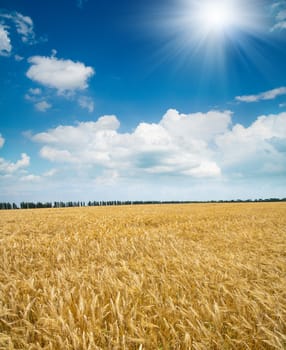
x,y
217,16
212,30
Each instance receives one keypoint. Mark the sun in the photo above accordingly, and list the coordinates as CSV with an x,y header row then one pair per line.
x,y
216,16
212,31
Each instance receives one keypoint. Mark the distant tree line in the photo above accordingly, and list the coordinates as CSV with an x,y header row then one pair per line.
x,y
38,205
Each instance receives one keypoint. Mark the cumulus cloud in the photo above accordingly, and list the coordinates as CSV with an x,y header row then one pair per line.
x,y
62,75
7,167
179,144
82,133
267,95
86,103
55,155
252,150
5,42
205,169
202,126
42,106
198,145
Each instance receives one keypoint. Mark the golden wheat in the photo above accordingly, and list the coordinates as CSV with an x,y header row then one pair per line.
x,y
144,277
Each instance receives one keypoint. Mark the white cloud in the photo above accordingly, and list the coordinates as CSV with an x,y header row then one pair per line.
x,y
50,173
83,133
178,144
255,150
23,24
33,95
55,155
30,98
18,58
279,11
199,145
202,126
2,141
42,106
7,167
281,15
54,53
35,91
86,103
205,169
60,74
25,27
5,42
31,178
108,178
280,25
267,95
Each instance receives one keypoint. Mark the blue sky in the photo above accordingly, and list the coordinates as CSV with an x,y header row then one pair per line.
x,y
164,100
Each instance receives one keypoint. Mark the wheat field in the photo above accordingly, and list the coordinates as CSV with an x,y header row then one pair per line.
x,y
201,276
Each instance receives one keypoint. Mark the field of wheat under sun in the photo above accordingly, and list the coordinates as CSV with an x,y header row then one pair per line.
x,y
202,276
